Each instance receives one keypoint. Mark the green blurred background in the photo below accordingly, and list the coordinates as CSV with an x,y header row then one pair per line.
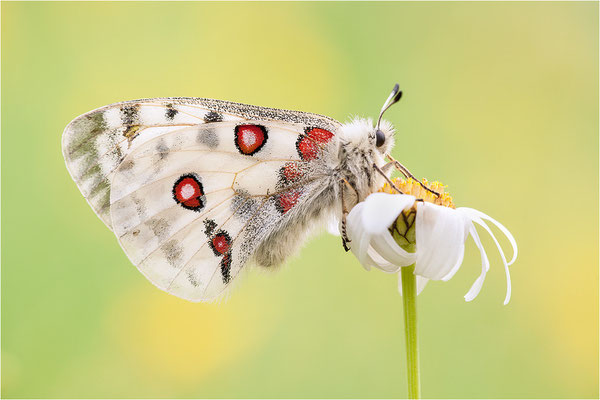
x,y
500,103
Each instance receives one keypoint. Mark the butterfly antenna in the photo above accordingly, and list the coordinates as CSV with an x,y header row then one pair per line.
x,y
394,97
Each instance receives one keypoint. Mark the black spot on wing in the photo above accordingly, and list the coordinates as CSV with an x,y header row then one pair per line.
x,y
226,268
129,115
207,137
213,116
209,227
171,112
192,279
173,252
244,205
140,207
162,150
159,226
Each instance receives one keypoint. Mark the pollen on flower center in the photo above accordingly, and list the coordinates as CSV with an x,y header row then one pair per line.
x,y
414,188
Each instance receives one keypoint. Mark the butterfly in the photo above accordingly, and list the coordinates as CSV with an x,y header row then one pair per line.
x,y
194,189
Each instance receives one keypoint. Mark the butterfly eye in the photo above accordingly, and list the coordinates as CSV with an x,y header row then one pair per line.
x,y
379,138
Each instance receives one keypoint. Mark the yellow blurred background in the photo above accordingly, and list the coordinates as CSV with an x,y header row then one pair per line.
x,y
500,103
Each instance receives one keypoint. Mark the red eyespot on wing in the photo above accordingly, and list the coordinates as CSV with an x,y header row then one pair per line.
x,y
312,142
307,149
220,243
321,136
290,172
250,138
287,200
188,192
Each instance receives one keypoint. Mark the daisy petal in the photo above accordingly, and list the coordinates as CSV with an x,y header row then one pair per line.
x,y
457,265
360,246
382,209
440,237
359,237
421,282
502,228
385,245
379,262
485,266
482,223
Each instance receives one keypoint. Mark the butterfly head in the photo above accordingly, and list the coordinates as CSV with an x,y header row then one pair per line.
x,y
375,139
382,137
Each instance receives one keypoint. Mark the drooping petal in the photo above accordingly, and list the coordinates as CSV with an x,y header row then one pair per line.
x,y
382,209
385,245
440,235
379,262
457,265
485,265
421,282
359,237
474,215
502,228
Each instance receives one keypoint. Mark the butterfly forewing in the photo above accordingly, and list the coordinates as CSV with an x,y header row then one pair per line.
x,y
191,187
95,143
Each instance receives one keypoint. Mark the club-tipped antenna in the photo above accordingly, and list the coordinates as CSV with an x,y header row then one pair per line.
x,y
391,100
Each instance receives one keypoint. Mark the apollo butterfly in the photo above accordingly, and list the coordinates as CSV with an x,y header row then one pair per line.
x,y
195,189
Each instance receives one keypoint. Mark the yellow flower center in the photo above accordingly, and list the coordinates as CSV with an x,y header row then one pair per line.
x,y
414,188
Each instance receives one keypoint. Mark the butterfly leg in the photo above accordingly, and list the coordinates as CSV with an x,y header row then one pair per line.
x,y
386,167
388,180
407,174
345,238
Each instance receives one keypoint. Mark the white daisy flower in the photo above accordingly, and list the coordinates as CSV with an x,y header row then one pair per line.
x,y
391,231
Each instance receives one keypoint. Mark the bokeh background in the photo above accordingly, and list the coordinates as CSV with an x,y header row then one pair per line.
x,y
500,103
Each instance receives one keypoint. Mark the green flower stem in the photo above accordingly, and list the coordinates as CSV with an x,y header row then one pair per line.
x,y
403,232
409,300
